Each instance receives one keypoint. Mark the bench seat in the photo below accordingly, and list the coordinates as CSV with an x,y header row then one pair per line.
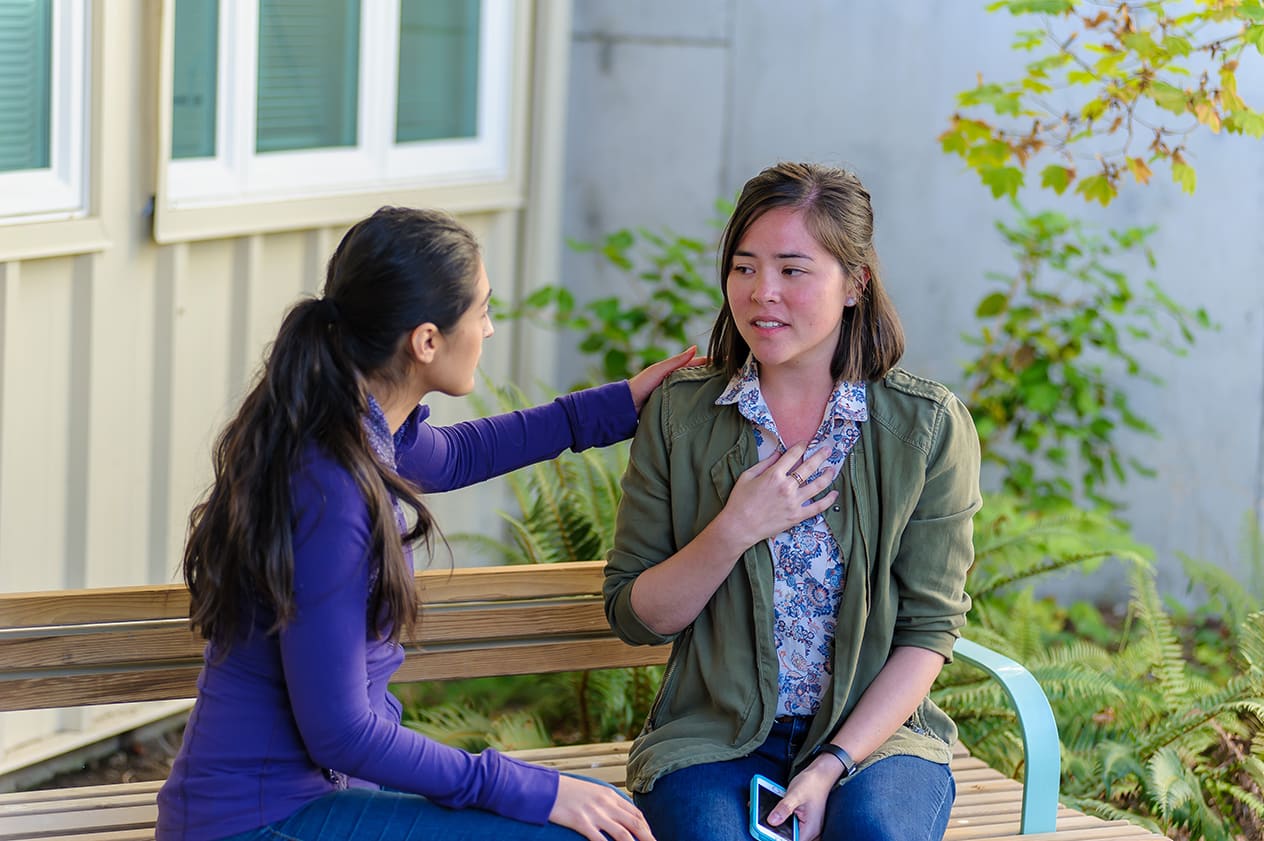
x,y
988,805
66,648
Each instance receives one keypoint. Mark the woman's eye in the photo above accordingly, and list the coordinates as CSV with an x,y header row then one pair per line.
x,y
742,269
791,271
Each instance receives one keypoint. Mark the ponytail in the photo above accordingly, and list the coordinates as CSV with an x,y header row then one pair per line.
x,y
395,270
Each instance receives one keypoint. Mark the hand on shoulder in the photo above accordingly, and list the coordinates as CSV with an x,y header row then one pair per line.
x,y
644,383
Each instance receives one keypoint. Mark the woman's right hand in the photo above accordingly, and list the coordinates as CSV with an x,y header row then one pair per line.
x,y
769,497
591,809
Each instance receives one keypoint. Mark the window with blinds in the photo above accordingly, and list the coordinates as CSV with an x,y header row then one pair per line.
x,y
309,73
26,56
284,98
44,130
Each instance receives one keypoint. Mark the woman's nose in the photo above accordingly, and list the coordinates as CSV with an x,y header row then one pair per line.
x,y
763,289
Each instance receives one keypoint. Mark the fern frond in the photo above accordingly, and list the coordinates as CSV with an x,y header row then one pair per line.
x,y
985,585
1164,645
1110,812
1251,642
517,730
1171,788
454,724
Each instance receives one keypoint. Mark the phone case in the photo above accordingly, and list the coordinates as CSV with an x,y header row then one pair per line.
x,y
760,831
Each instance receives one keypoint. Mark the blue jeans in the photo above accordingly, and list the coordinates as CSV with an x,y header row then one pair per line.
x,y
366,814
900,798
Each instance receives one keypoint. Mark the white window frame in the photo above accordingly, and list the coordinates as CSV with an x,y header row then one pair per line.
x,y
59,191
239,175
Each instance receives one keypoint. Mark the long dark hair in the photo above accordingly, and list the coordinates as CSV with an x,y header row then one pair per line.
x,y
397,269
838,214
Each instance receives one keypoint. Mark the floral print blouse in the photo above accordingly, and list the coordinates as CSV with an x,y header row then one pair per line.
x,y
808,564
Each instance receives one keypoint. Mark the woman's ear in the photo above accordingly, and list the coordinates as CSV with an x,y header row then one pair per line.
x,y
856,283
424,342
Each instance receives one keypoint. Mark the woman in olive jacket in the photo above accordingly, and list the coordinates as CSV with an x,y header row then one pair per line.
x,y
796,522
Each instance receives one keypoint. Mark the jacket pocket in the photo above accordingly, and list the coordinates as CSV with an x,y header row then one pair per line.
x,y
917,723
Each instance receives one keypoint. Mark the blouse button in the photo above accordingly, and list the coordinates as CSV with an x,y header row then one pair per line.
x,y
838,508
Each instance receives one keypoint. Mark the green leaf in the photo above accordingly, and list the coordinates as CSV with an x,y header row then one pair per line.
x,y
1254,35
1097,188
620,240
1043,398
954,143
1183,174
1002,101
1037,7
541,297
1093,109
1003,180
992,305
1056,177
615,363
1142,43
1169,97
1177,46
1250,123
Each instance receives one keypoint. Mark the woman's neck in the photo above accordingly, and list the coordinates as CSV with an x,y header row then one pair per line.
x,y
397,402
796,400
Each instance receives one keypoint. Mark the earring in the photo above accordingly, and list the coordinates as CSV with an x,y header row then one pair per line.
x,y
851,300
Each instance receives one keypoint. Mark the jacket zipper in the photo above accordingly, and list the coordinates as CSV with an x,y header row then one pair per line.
x,y
664,688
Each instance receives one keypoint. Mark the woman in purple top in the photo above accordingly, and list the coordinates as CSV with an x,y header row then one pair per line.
x,y
303,588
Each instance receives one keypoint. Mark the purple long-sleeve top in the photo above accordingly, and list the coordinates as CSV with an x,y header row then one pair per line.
x,y
286,718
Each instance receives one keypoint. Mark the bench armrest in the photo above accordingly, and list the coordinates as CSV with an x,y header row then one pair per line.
x,y
1041,749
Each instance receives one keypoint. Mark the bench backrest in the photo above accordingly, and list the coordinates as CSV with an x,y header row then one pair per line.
x,y
111,645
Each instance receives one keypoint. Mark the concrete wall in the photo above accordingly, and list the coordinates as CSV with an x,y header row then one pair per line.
x,y
673,105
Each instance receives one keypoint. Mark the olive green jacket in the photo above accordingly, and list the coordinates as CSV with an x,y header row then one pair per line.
x,y
903,520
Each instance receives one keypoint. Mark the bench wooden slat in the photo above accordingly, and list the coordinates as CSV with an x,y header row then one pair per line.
x,y
171,601
69,823
180,681
525,659
172,641
53,795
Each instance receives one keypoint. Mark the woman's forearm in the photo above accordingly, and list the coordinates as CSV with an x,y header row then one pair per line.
x,y
669,595
889,701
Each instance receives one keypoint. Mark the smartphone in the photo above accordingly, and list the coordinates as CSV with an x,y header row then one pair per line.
x,y
764,795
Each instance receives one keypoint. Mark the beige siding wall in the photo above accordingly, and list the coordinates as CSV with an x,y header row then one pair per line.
x,y
120,358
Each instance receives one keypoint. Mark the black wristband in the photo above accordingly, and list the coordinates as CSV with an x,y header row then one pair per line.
x,y
849,764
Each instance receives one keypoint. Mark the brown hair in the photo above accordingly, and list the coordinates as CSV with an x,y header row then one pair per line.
x,y
837,212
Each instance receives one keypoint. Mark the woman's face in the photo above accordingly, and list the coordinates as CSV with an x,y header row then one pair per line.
x,y
452,371
787,294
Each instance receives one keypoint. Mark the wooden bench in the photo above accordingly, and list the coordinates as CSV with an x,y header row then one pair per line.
x,y
67,648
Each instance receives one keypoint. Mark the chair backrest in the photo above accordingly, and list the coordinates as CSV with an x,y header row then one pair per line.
x,y
110,645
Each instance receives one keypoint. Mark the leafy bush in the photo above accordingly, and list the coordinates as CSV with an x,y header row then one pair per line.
x,y
1058,345
668,301
1144,736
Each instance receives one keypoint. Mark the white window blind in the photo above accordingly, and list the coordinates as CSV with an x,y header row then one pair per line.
x,y
43,110
330,97
309,71
26,51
